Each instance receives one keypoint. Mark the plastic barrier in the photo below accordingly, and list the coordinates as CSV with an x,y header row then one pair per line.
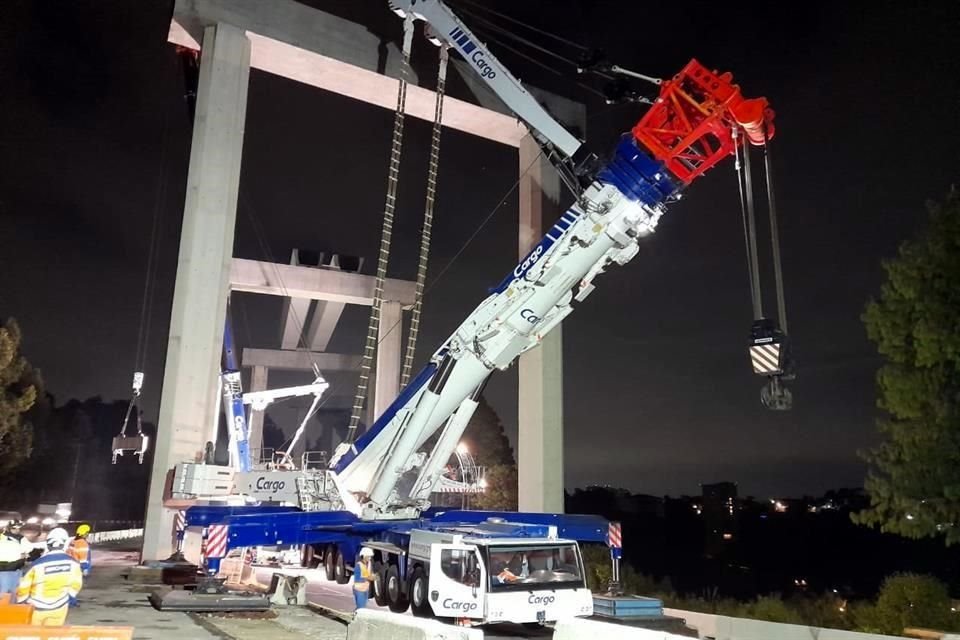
x,y
110,536
11,613
370,624
577,628
27,632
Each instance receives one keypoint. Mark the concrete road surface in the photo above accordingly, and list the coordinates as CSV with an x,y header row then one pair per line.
x,y
339,597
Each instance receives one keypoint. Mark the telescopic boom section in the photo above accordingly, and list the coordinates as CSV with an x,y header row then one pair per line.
x,y
446,26
689,127
685,133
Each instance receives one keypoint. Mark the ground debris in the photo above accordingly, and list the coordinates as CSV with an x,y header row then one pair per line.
x,y
238,615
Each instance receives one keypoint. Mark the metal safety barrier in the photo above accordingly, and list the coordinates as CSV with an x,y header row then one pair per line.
x,y
111,536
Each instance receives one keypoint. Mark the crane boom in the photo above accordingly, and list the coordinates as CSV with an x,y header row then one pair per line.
x,y
447,26
682,136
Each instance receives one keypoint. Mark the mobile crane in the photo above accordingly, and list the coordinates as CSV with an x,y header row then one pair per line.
x,y
376,490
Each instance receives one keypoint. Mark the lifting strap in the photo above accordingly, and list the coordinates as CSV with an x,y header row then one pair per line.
x,y
386,235
427,219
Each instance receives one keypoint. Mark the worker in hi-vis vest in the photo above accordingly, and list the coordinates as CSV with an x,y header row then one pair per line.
x,y
362,577
79,549
52,583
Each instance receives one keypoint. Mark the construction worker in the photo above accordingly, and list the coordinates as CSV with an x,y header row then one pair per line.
x,y
12,559
52,583
79,549
362,577
15,549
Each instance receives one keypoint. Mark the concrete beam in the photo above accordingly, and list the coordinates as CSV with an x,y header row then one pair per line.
x,y
188,399
299,360
294,41
326,315
315,284
294,316
540,374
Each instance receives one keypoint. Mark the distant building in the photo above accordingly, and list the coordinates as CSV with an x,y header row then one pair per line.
x,y
720,509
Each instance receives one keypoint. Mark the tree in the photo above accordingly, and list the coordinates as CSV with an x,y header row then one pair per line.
x,y
908,600
487,441
486,438
914,479
500,493
20,385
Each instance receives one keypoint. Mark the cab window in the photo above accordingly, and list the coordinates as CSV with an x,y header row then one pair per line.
x,y
461,566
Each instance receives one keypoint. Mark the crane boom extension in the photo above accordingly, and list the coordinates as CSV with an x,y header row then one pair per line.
x,y
448,27
624,202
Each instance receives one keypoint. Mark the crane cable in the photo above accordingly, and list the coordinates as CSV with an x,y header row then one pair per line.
x,y
745,185
386,234
774,231
149,288
504,16
427,218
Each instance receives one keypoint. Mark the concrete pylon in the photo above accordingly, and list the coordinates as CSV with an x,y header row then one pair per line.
x,y
258,382
540,376
387,380
187,404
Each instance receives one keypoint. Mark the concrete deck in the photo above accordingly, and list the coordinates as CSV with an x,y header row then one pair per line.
x,y
107,599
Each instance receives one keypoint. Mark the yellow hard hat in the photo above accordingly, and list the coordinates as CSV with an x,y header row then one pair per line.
x,y
83,530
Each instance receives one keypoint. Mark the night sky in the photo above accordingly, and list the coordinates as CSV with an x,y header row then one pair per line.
x,y
659,391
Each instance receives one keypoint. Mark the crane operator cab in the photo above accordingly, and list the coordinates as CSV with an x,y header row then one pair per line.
x,y
506,580
771,357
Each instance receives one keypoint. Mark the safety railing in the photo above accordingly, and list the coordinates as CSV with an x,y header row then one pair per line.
x,y
113,536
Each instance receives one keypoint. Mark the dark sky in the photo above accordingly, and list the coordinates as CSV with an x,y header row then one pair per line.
x,y
659,393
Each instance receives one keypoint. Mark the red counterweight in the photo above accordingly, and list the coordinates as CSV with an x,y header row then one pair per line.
x,y
690,126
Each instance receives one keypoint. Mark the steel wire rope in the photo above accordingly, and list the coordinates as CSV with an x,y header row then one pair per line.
x,y
426,232
751,266
386,235
476,232
149,280
504,16
774,231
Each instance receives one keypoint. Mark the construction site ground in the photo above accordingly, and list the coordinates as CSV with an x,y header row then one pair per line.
x,y
108,598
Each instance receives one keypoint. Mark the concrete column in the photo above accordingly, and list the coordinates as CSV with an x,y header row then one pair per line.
x,y
387,384
540,376
203,272
258,382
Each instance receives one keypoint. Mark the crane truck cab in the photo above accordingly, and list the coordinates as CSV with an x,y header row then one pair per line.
x,y
476,573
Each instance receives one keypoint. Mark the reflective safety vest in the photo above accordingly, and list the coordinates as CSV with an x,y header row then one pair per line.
x,y
362,575
52,582
79,550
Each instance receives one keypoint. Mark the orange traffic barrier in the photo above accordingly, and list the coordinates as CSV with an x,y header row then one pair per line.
x,y
28,632
14,613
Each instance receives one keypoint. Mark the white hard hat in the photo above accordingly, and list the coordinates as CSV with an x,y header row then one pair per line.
x,y
58,538
366,552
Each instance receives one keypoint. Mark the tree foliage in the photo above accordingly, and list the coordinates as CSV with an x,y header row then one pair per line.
x,y
914,479
908,600
19,387
486,438
488,443
501,491
71,461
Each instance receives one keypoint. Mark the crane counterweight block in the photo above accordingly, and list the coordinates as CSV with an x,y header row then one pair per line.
x,y
688,127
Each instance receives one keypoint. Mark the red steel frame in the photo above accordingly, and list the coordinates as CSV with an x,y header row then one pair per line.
x,y
690,127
